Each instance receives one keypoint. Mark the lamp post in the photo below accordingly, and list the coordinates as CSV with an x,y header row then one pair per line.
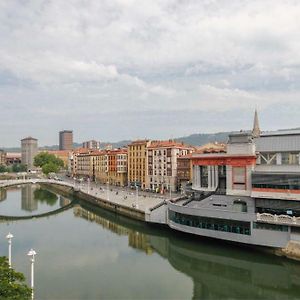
x,y
88,185
170,189
9,238
107,183
32,254
136,195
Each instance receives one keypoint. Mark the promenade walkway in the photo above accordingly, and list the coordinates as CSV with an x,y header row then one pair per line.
x,y
140,201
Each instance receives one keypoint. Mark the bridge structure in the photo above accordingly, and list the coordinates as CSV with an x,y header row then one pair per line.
x,y
8,183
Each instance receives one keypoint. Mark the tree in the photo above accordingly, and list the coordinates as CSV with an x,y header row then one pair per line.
x,y
16,168
12,286
3,169
48,162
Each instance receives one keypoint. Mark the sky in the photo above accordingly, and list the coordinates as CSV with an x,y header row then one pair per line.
x,y
127,69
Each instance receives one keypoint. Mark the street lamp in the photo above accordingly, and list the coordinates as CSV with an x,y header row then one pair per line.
x,y
9,238
137,195
107,183
32,254
88,185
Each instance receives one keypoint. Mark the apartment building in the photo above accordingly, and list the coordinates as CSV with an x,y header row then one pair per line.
x,y
111,167
138,163
162,164
92,144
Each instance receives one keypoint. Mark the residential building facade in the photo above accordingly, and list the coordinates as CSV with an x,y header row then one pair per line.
x,y
138,163
13,158
95,145
111,167
162,164
2,157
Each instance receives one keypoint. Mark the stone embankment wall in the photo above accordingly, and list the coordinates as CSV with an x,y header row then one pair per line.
x,y
118,208
292,250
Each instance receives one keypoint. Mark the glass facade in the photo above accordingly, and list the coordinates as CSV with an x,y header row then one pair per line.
x,y
290,158
270,227
276,181
232,226
204,176
278,207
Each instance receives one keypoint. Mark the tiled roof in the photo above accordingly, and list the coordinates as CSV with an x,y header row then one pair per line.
x,y
168,144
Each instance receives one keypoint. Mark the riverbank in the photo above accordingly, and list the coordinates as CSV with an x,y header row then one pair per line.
x,y
123,203
141,208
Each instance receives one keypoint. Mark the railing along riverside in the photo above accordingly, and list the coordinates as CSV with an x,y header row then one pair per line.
x,y
278,219
6,183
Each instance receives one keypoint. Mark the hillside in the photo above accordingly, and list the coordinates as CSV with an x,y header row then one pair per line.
x,y
196,139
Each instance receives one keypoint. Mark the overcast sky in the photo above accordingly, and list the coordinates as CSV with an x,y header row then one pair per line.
x,y
126,69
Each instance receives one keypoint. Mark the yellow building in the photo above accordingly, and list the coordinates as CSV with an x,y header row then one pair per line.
x,y
2,157
137,163
101,166
111,166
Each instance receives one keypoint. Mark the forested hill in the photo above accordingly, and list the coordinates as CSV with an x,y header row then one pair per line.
x,y
197,139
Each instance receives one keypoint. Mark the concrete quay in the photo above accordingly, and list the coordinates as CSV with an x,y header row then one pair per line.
x,y
132,203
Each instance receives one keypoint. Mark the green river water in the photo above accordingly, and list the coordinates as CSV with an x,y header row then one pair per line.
x,y
89,253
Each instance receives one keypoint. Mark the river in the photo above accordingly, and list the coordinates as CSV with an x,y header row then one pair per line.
x,y
89,253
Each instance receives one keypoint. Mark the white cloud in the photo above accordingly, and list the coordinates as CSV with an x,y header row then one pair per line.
x,y
91,57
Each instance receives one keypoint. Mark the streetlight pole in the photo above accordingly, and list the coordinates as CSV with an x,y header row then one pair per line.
x,y
88,185
137,195
32,254
9,238
170,189
107,183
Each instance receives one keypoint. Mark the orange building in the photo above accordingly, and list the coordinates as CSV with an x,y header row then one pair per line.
x,y
111,166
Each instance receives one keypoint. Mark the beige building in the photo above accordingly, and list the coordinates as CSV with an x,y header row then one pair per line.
x,y
137,163
162,164
29,149
92,144
85,165
2,157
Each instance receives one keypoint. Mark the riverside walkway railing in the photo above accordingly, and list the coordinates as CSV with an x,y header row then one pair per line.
x,y
12,182
278,219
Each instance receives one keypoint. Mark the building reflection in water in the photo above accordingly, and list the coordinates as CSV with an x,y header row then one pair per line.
x,y
28,203
63,201
219,271
136,239
3,194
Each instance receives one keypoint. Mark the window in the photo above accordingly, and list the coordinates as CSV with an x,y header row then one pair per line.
x,y
270,227
239,178
290,158
276,181
268,158
204,176
238,227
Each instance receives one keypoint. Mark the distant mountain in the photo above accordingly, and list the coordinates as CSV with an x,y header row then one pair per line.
x,y
197,139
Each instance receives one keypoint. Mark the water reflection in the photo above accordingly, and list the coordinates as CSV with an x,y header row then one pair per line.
x,y
218,271
3,194
28,201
